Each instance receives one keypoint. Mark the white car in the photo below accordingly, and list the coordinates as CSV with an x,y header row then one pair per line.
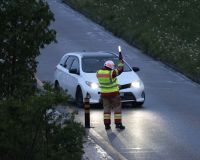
x,y
76,73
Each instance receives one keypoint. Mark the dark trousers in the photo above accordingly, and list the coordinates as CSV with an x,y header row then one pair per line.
x,y
110,103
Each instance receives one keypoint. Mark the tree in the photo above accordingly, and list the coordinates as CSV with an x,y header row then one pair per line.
x,y
27,130
31,130
24,29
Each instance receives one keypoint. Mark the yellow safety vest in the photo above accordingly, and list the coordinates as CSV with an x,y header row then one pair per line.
x,y
107,83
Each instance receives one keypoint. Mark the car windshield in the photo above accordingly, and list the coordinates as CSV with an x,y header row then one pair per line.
x,y
92,64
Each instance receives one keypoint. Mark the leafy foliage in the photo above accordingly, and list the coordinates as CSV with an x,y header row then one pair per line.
x,y
30,128
167,30
23,31
29,131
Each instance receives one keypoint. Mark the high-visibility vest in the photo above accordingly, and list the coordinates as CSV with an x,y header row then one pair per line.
x,y
107,83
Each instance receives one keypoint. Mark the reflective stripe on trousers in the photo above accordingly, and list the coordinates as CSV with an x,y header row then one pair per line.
x,y
118,117
107,117
108,104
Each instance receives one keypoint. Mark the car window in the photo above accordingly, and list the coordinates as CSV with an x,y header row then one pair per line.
x,y
63,60
75,64
69,61
92,64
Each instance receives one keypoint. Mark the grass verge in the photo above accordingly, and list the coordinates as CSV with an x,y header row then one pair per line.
x,y
165,30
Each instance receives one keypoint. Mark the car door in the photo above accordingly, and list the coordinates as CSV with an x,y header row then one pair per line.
x,y
74,75
59,70
70,80
65,77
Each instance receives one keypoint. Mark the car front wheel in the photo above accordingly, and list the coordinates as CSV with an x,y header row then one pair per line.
x,y
79,98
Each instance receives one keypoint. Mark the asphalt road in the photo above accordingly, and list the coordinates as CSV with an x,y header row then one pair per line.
x,y
167,127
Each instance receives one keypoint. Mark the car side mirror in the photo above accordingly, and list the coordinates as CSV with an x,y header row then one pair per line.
x,y
73,71
136,69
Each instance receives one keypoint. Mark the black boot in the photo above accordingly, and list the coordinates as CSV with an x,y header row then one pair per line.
x,y
107,126
120,126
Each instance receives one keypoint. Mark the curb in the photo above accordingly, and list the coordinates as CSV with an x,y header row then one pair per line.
x,y
105,145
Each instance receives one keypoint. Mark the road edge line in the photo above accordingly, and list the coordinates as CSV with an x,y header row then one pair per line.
x,y
105,145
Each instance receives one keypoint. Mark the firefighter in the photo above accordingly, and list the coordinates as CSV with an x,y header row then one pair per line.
x,y
110,92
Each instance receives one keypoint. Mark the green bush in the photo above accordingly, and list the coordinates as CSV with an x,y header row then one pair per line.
x,y
167,30
28,132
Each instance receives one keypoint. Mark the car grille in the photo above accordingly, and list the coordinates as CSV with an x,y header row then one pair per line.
x,y
127,96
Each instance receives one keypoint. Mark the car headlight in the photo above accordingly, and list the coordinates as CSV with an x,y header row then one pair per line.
x,y
92,85
136,84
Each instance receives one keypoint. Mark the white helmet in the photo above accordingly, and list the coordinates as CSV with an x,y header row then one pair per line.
x,y
110,64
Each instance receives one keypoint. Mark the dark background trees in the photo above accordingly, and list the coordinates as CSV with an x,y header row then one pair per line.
x,y
28,131
24,29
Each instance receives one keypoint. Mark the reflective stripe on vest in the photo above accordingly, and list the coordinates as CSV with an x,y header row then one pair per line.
x,y
107,83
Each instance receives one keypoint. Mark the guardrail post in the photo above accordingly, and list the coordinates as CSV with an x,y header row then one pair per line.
x,y
87,110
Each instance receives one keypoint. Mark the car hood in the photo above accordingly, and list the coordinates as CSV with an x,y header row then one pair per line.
x,y
124,78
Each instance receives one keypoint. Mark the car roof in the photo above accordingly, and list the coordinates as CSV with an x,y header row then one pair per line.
x,y
92,54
